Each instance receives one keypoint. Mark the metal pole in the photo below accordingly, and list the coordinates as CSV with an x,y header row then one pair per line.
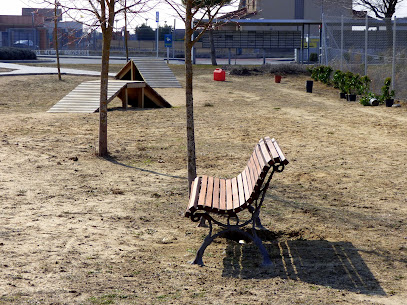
x,y
173,41
366,41
309,41
324,48
264,56
158,24
302,44
342,43
393,66
157,39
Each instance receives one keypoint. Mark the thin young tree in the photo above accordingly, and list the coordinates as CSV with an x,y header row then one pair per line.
x,y
56,46
189,12
101,14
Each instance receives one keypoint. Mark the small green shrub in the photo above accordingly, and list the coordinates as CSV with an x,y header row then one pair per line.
x,y
16,54
283,69
386,92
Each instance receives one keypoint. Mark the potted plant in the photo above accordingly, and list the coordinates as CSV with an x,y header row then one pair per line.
x,y
339,82
387,94
350,84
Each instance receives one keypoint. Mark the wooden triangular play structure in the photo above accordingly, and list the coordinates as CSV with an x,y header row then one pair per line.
x,y
154,72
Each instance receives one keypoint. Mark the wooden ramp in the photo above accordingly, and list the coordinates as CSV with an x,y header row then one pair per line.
x,y
86,97
154,72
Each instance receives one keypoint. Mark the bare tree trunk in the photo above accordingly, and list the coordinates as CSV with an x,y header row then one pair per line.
x,y
104,75
56,39
189,96
213,50
107,30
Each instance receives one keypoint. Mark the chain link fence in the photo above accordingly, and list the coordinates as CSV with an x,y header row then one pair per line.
x,y
377,48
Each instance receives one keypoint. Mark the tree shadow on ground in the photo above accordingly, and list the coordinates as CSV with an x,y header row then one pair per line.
x,y
319,262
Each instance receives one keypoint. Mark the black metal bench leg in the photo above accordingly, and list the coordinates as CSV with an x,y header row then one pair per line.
x,y
198,258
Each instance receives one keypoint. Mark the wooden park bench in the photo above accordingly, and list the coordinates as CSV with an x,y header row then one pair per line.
x,y
212,196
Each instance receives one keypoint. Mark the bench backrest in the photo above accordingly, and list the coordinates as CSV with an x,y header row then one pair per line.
x,y
233,195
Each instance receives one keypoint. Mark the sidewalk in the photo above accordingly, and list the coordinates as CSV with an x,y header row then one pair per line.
x,y
18,69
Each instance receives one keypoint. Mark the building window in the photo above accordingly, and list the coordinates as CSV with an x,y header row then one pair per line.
x,y
299,9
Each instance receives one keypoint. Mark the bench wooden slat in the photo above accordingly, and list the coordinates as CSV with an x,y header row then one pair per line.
x,y
262,162
216,195
222,201
280,152
272,149
193,201
229,197
248,179
257,165
252,171
202,192
209,195
245,185
235,194
242,197
260,158
265,153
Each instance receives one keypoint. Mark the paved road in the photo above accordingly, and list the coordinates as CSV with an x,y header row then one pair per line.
x,y
20,69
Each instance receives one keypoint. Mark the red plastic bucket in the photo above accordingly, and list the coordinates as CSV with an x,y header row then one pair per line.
x,y
277,78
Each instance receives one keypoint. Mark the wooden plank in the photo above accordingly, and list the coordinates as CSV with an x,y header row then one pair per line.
x,y
209,195
272,149
260,158
222,201
253,172
250,173
242,196
229,197
216,195
202,192
235,194
246,186
193,200
256,163
265,153
280,152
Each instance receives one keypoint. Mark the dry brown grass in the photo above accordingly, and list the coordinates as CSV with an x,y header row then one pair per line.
x,y
78,229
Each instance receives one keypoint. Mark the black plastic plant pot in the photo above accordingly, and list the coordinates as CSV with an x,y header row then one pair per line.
x,y
352,97
342,95
389,102
309,85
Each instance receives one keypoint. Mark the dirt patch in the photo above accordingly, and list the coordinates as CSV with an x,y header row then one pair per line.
x,y
79,229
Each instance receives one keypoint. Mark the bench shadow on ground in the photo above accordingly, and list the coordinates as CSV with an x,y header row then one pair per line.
x,y
337,265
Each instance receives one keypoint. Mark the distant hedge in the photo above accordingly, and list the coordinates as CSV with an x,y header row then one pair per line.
x,y
16,54
282,69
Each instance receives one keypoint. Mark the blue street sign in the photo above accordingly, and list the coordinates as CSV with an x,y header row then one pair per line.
x,y
168,40
157,16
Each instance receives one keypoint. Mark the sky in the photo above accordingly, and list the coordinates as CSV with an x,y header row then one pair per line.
x,y
166,13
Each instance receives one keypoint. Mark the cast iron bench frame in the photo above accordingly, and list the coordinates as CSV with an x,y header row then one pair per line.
x,y
227,197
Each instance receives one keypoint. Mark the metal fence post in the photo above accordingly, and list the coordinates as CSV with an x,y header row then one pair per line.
x,y
393,65
324,51
342,43
366,41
